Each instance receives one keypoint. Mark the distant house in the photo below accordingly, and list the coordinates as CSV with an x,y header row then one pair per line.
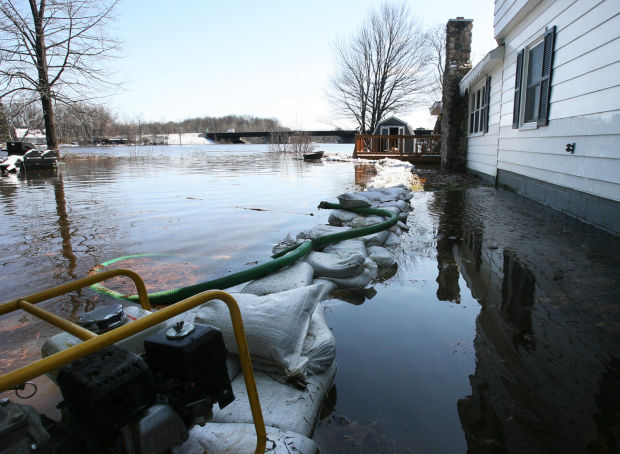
x,y
34,136
395,127
544,106
392,126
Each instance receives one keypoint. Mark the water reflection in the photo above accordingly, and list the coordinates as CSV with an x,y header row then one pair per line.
x,y
547,377
65,226
449,205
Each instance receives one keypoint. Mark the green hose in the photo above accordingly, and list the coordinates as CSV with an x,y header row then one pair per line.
x,y
280,260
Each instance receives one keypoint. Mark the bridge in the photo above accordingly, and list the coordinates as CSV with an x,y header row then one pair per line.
x,y
235,137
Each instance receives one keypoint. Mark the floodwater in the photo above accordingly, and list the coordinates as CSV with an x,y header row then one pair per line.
x,y
498,333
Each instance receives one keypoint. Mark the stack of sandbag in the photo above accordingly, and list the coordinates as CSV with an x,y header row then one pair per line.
x,y
285,326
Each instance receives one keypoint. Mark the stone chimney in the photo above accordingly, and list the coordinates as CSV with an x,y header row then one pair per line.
x,y
454,109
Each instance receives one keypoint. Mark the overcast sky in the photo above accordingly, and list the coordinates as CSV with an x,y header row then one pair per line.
x,y
270,58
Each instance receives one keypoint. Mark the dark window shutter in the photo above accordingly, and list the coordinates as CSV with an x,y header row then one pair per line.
x,y
487,103
545,83
518,79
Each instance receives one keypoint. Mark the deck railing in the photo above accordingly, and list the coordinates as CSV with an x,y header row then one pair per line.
x,y
398,145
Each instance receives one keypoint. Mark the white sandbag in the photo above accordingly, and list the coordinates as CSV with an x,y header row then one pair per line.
x,y
376,239
320,345
328,285
335,265
321,230
275,325
284,406
392,177
392,240
286,243
402,216
240,438
408,196
400,204
352,200
341,217
392,209
361,280
347,247
382,257
384,194
401,225
363,221
299,274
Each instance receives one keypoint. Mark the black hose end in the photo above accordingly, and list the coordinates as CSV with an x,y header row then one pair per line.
x,y
323,204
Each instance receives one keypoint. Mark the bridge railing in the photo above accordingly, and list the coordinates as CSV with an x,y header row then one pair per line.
x,y
398,145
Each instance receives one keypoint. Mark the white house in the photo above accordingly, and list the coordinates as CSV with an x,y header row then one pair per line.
x,y
544,106
35,136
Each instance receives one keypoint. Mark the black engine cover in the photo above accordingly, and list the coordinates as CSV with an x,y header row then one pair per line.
x,y
107,389
194,365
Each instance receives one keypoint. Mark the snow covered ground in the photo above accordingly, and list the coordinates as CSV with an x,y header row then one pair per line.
x,y
188,138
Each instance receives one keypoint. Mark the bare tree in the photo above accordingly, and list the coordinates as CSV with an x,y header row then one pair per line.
x,y
382,69
52,51
437,43
4,125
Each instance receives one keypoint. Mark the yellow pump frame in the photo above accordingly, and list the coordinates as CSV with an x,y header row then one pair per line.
x,y
93,342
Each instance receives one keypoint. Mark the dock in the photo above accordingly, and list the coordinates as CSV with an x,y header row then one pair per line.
x,y
417,149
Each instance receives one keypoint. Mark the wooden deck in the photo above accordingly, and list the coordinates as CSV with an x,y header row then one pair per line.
x,y
412,148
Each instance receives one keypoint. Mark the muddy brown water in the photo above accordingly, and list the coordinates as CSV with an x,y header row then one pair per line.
x,y
498,333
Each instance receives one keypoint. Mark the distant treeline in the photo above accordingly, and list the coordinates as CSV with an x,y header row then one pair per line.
x,y
86,123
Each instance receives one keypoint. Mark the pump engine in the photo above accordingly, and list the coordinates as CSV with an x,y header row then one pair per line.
x,y
118,402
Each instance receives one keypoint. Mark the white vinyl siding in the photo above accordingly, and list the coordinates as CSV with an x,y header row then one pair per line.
x,y
482,149
584,107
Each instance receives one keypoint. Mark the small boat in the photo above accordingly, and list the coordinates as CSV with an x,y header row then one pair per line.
x,y
25,156
313,156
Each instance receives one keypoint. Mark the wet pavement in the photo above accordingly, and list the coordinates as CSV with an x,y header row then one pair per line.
x,y
499,331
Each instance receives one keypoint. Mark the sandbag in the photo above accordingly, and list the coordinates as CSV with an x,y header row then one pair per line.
x,y
347,247
328,285
384,194
381,256
392,209
377,239
392,240
352,200
275,325
286,243
400,204
361,280
341,217
284,406
392,177
240,438
363,221
320,230
299,274
335,265
320,345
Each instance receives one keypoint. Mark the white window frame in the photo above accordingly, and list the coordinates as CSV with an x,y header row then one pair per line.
x,y
385,130
478,90
526,65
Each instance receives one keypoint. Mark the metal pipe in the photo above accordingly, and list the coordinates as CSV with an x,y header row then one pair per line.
x,y
47,294
66,325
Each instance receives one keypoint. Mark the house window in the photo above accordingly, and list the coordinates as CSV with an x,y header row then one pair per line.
x,y
479,109
533,83
534,78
